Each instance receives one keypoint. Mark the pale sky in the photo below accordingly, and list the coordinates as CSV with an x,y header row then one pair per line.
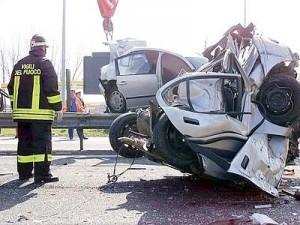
x,y
178,25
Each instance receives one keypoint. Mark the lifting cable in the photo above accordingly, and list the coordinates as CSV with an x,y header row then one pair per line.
x,y
114,177
108,29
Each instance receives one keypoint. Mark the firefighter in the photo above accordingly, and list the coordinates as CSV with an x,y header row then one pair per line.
x,y
34,94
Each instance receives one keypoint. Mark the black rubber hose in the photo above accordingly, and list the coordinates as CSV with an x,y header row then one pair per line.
x,y
263,119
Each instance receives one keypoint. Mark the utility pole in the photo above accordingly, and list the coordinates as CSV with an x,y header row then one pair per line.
x,y
3,78
245,13
63,54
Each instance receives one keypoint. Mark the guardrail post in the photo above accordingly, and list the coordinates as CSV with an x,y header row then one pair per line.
x,y
81,142
68,87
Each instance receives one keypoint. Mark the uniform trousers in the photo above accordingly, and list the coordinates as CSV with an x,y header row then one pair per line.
x,y
34,149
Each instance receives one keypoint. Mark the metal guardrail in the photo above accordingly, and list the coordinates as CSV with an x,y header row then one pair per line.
x,y
70,120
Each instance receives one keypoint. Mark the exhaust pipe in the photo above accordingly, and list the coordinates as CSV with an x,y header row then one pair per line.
x,y
136,143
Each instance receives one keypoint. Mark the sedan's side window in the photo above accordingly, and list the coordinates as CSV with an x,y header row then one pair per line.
x,y
135,64
140,64
172,66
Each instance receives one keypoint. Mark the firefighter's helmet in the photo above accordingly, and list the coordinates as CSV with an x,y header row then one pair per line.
x,y
37,41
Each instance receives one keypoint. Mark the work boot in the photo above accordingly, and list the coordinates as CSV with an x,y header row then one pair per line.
x,y
25,177
45,179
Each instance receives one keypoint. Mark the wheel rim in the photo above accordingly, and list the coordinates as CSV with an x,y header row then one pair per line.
x,y
116,101
278,100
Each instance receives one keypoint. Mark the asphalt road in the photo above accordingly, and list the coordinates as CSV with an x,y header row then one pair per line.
x,y
146,194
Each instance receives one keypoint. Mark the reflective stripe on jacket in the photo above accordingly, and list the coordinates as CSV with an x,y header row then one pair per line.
x,y
34,90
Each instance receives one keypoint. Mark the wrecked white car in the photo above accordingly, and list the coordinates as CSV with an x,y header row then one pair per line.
x,y
133,77
230,120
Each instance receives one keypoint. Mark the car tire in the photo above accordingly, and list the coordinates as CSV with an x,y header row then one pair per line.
x,y
169,144
279,99
121,128
115,101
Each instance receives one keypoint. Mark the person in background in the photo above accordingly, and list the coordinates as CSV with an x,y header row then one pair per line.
x,y
78,95
74,106
34,96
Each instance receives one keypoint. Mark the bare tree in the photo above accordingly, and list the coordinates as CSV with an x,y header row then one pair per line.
x,y
3,64
8,58
10,55
13,55
77,67
55,60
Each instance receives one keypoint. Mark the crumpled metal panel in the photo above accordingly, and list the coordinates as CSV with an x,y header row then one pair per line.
x,y
266,161
271,53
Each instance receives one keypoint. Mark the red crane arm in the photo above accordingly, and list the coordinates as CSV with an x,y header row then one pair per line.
x,y
107,7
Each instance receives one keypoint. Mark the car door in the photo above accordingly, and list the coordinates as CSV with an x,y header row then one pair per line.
x,y
136,77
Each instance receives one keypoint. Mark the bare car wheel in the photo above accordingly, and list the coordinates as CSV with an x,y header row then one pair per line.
x,y
121,127
116,102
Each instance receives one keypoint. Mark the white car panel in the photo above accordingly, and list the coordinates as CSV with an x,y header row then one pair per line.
x,y
138,86
266,161
271,53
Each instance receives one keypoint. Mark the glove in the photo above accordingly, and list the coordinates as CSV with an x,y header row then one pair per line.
x,y
59,115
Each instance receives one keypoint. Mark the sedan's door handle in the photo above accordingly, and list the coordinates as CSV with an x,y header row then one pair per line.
x,y
191,121
123,82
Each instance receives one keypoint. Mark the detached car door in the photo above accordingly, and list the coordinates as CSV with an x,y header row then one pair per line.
x,y
136,77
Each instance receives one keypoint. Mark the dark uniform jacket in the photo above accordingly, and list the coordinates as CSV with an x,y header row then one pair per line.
x,y
33,89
